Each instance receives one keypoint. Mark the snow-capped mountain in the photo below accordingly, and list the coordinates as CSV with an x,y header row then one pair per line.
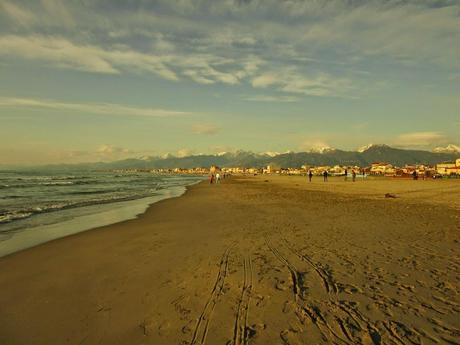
x,y
325,149
320,156
451,148
145,158
369,146
271,153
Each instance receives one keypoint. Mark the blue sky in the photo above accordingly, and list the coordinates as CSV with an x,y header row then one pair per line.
x,y
104,80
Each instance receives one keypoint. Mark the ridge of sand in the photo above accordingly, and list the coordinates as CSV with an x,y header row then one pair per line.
x,y
250,262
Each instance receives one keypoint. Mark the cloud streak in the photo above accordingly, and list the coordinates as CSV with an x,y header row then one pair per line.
x,y
90,108
268,98
420,139
65,54
20,15
290,80
60,52
308,48
205,128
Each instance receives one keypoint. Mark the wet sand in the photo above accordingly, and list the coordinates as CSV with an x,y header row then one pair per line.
x,y
257,260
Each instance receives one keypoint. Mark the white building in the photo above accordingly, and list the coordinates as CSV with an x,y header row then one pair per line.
x,y
449,168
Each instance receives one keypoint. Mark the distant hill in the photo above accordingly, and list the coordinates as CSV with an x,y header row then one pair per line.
x,y
363,157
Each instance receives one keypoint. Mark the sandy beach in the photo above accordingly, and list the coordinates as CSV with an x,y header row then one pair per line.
x,y
254,260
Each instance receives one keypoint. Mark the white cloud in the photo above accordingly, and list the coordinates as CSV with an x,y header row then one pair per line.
x,y
232,42
202,68
264,80
267,98
407,32
43,153
197,77
420,139
205,128
20,15
404,30
110,150
184,152
161,44
92,108
58,11
291,80
58,51
228,37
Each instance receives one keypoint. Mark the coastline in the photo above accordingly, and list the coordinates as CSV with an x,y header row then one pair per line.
x,y
102,215
276,248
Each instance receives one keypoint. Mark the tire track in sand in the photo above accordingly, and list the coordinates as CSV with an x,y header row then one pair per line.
x,y
241,331
327,279
202,325
305,310
346,317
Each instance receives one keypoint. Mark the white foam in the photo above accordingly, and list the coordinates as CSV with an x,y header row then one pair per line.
x,y
117,212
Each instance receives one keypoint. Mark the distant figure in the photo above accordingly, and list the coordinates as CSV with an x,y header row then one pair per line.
x,y
414,175
310,175
353,174
325,175
217,178
346,174
211,179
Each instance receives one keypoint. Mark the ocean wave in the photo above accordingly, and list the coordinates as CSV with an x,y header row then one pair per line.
x,y
9,217
12,215
52,178
56,183
5,197
50,183
99,191
71,177
42,194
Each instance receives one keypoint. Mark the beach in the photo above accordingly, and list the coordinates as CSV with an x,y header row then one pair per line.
x,y
253,260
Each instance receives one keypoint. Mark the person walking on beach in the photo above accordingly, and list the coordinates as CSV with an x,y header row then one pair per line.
x,y
211,179
353,175
325,175
310,175
217,178
346,174
414,175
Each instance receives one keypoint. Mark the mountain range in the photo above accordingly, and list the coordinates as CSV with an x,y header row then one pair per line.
x,y
326,156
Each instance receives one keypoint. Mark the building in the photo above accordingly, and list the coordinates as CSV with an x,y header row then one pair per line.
x,y
448,168
272,169
214,169
381,168
337,170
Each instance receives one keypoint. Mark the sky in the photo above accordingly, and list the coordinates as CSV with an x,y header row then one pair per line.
x,y
101,80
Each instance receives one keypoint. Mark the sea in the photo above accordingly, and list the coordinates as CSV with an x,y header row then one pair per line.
x,y
39,206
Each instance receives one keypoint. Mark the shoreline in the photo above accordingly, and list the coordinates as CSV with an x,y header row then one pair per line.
x,y
108,214
273,248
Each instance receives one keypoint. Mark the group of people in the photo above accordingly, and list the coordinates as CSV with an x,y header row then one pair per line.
x,y
353,175
215,179
326,174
